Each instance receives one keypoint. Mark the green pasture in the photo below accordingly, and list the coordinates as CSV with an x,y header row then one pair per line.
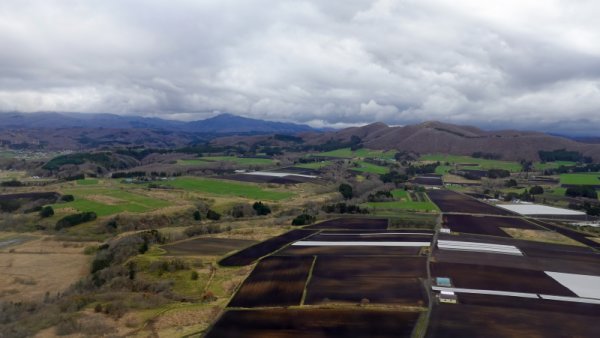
x,y
314,165
366,167
362,152
106,202
207,161
403,201
580,179
228,188
482,164
552,165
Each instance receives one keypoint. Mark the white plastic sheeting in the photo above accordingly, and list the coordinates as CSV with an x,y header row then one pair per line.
x,y
277,174
479,247
585,286
538,209
360,243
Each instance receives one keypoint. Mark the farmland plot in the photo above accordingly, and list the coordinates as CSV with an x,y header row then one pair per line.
x,y
314,323
206,246
483,277
253,253
486,225
276,281
355,279
450,201
352,224
499,322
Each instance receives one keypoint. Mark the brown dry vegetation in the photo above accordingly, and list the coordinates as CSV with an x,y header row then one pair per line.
x,y
31,269
540,236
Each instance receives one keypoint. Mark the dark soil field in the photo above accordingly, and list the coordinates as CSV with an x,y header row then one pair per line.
x,y
352,224
538,256
472,276
551,263
349,250
530,304
275,281
314,323
344,267
31,196
207,246
450,201
449,320
377,290
486,225
253,253
434,181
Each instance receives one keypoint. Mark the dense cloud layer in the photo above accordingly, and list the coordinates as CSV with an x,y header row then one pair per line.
x,y
510,63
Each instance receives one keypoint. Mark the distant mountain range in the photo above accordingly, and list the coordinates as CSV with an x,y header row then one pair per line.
x,y
221,124
55,131
437,137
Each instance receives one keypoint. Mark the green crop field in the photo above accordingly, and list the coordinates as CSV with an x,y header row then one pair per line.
x,y
442,169
228,188
366,167
87,181
552,165
237,160
580,179
106,202
362,152
403,201
482,164
314,165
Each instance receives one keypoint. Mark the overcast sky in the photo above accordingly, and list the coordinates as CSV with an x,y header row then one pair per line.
x,y
531,64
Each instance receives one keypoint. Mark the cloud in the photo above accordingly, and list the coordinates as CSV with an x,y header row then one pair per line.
x,y
498,64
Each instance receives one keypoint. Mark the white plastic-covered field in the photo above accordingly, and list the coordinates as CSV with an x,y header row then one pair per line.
x,y
361,243
479,247
277,174
585,286
538,209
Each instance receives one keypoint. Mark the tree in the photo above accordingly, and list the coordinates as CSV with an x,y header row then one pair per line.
x,y
346,191
511,183
213,215
303,219
536,190
197,215
261,209
46,211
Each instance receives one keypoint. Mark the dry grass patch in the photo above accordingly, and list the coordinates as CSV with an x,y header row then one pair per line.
x,y
29,270
541,236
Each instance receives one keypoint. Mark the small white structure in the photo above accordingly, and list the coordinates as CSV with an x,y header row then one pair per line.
x,y
448,297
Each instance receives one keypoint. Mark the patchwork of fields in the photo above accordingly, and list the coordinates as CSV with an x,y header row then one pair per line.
x,y
228,188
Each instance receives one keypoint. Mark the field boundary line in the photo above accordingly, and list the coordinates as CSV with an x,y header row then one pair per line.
x,y
308,278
